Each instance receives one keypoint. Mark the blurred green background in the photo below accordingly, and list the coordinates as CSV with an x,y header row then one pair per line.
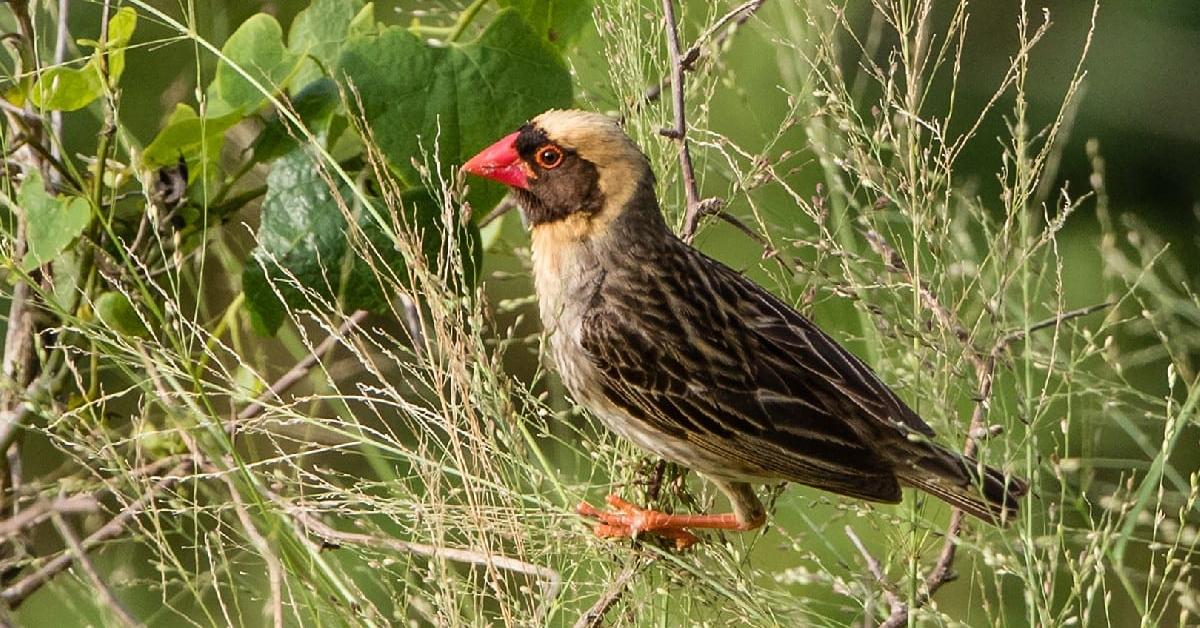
x,y
1141,103
1139,98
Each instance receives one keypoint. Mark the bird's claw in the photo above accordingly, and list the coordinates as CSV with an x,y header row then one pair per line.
x,y
628,521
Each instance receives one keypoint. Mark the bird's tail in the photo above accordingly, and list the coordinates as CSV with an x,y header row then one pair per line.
x,y
979,490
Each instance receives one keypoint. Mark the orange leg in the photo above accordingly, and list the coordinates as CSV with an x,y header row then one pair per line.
x,y
628,520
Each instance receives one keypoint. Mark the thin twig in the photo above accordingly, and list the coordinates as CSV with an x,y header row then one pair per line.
x,y
1018,334
681,63
876,570
412,323
300,370
594,616
465,18
62,36
14,595
679,131
769,250
17,364
102,589
37,512
274,566
984,365
506,204
550,579
57,170
727,24
945,318
109,126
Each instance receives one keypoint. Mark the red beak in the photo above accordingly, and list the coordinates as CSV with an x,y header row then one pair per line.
x,y
500,162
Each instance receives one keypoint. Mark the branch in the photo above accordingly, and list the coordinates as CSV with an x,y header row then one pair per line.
x,y
729,22
551,581
109,126
679,131
106,595
594,616
946,319
1019,334
681,63
412,323
505,205
14,595
274,567
62,36
299,371
714,206
464,19
39,510
876,570
17,364
984,364
942,571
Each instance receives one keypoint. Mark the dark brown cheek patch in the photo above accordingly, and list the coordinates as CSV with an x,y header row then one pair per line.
x,y
555,194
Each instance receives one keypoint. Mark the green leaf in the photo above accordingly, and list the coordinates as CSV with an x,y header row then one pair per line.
x,y
187,134
69,89
115,310
120,31
64,289
419,213
304,241
559,21
319,32
257,48
314,105
52,222
464,95
364,23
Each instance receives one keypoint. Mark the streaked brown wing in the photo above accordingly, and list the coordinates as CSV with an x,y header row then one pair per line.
x,y
681,358
794,349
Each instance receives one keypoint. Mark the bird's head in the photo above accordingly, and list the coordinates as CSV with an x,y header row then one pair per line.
x,y
568,165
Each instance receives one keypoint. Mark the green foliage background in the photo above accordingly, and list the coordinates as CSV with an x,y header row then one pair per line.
x,y
321,141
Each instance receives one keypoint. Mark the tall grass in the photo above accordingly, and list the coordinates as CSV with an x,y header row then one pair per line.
x,y
426,468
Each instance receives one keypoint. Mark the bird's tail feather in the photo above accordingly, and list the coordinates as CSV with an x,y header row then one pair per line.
x,y
981,491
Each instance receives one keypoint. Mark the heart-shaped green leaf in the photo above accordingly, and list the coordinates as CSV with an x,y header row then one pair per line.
x,y
304,243
317,35
68,89
51,222
560,22
191,136
256,48
457,98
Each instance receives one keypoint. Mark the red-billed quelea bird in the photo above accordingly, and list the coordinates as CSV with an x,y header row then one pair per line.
x,y
694,362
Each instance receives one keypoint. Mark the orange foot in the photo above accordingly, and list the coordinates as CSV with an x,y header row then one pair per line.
x,y
629,520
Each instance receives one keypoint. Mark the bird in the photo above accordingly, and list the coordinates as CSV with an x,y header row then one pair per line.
x,y
694,362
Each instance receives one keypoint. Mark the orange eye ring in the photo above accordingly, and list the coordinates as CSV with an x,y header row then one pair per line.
x,y
549,156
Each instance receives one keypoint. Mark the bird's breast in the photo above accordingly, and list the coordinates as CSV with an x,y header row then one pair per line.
x,y
566,268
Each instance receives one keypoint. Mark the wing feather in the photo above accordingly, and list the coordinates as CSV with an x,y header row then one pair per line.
x,y
739,374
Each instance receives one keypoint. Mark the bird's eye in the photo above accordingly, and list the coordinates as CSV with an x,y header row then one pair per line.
x,y
549,156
